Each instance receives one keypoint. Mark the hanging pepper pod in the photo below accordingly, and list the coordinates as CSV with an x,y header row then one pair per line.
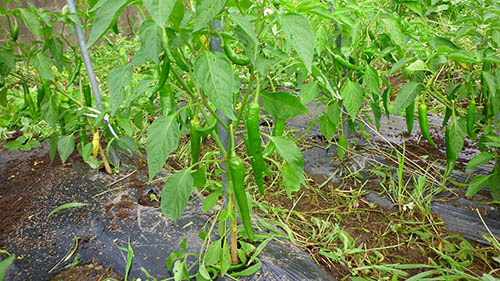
x,y
87,95
75,73
447,116
254,145
15,31
410,117
237,171
237,59
346,64
195,140
424,123
165,71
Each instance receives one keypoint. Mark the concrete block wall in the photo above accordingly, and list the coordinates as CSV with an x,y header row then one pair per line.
x,y
128,17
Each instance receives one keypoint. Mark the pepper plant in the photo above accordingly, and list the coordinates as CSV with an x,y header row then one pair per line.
x,y
343,54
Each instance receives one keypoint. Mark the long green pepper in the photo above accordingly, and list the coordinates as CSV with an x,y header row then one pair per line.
x,y
237,175
410,117
195,140
424,123
237,170
237,59
254,144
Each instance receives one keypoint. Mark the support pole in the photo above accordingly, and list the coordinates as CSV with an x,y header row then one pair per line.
x,y
92,78
215,46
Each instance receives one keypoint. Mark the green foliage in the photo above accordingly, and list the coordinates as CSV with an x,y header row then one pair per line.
x,y
392,55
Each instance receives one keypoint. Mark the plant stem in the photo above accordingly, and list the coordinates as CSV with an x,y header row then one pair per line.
x,y
234,242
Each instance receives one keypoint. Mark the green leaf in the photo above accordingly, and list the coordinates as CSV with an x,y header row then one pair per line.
x,y
118,77
490,82
206,10
160,10
4,265
50,111
342,146
151,36
291,179
452,135
215,74
289,151
67,206
394,31
477,184
56,48
246,34
416,66
42,64
327,128
3,97
7,62
372,80
225,258
298,29
65,146
210,201
321,38
352,98
53,147
163,138
406,96
31,21
481,158
282,104
309,92
175,194
400,64
104,19
212,255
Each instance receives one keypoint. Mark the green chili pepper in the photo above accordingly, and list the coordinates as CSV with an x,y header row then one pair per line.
x,y
15,31
237,171
29,101
195,140
177,56
75,73
346,64
254,145
424,123
237,59
447,116
87,95
471,110
165,71
210,126
410,117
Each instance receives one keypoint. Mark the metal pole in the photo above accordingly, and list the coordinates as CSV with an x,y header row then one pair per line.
x,y
86,57
92,79
215,45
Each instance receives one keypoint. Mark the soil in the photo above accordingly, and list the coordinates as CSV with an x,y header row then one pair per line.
x,y
33,187
90,271
370,225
